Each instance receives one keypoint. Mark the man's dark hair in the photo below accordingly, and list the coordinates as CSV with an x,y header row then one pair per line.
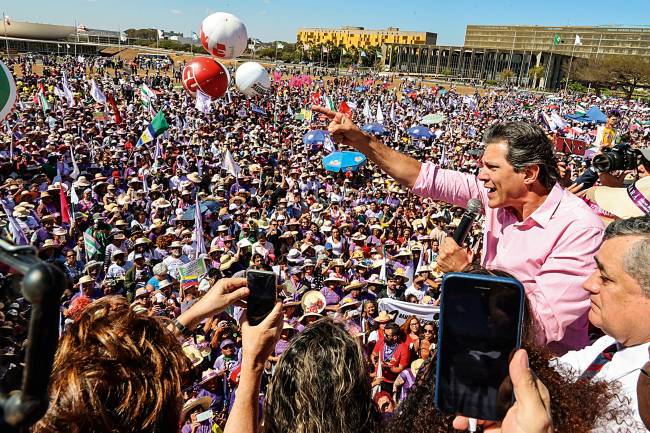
x,y
392,326
527,145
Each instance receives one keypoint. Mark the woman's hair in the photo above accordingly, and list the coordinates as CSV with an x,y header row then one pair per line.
x,y
115,371
406,326
321,385
576,405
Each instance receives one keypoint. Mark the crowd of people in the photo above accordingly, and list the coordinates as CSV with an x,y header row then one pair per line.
x,y
156,238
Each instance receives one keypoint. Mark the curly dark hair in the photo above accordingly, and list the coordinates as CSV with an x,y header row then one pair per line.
x,y
576,405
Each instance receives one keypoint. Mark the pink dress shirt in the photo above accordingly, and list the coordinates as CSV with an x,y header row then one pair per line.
x,y
551,252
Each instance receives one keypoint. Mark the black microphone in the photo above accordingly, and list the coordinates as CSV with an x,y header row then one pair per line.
x,y
474,207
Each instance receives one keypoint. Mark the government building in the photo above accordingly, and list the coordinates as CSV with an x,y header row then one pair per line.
x,y
358,37
489,50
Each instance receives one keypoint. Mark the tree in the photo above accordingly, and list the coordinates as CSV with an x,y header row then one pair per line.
x,y
536,73
626,73
506,74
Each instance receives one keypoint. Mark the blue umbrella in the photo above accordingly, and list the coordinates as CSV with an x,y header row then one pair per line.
x,y
375,128
344,161
420,132
315,137
208,205
361,89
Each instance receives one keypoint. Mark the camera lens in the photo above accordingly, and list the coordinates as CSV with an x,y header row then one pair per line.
x,y
602,163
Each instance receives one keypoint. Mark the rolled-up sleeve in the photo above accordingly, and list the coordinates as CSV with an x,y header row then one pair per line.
x,y
557,297
449,186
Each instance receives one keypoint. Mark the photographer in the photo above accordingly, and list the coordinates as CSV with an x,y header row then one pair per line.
x,y
617,201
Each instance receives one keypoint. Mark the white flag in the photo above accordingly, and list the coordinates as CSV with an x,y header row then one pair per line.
x,y
58,92
75,169
577,41
203,102
392,113
199,241
280,45
559,122
367,113
380,114
229,164
97,93
67,92
328,144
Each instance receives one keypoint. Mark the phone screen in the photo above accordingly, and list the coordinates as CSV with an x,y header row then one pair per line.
x,y
480,323
262,295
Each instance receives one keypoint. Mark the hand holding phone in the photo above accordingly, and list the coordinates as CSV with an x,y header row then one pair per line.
x,y
262,297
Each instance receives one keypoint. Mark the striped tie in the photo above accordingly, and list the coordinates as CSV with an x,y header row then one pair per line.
x,y
597,364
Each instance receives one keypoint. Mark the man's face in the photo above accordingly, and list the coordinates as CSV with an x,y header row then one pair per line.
x,y
505,186
618,305
176,252
390,336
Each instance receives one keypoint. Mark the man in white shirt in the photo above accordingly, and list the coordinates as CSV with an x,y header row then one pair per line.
x,y
620,306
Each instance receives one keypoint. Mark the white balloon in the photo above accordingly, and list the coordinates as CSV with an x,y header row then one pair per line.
x,y
224,35
252,79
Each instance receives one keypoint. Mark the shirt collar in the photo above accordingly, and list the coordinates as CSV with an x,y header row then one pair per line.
x,y
543,214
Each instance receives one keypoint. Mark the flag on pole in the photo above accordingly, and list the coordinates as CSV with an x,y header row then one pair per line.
x,y
74,199
203,102
69,96
65,210
97,93
362,54
90,244
392,113
195,37
328,144
577,41
42,100
366,110
345,109
228,163
75,168
147,96
280,45
559,122
557,40
116,112
380,372
7,20
19,237
382,270
199,241
380,114
157,126
58,92
327,102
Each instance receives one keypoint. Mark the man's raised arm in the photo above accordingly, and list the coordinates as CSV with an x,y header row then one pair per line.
x,y
400,167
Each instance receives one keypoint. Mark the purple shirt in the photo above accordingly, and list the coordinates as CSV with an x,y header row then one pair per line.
x,y
551,252
332,297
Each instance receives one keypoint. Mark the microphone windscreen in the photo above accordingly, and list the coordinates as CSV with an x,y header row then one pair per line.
x,y
474,205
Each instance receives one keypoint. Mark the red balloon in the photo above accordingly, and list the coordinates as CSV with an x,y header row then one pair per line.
x,y
206,74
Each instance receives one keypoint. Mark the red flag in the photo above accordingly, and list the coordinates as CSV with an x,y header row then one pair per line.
x,y
65,210
316,98
111,100
345,109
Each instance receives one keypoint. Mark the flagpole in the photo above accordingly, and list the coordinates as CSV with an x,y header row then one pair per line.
x,y
4,23
568,75
276,51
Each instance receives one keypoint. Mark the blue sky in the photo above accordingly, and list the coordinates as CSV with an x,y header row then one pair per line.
x,y
279,19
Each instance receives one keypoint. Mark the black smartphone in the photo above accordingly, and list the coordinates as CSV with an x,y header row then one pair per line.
x,y
479,330
262,295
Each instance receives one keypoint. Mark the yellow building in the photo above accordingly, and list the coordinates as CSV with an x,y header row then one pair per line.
x,y
359,37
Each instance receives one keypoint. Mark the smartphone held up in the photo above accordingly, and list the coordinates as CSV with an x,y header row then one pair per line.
x,y
480,328
263,295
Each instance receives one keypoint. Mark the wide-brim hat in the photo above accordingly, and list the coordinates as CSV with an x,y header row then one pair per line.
x,y
208,375
194,178
618,201
334,279
193,353
313,301
384,317
190,405
355,285
304,316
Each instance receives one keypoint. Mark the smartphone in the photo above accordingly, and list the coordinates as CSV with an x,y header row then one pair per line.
x,y
262,295
479,330
203,416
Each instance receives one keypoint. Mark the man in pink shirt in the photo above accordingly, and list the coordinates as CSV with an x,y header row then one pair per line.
x,y
534,229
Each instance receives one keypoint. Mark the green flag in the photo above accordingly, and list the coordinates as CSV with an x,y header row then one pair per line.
x,y
43,101
557,40
157,126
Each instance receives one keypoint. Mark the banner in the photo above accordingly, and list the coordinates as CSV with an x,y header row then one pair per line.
x,y
190,273
425,313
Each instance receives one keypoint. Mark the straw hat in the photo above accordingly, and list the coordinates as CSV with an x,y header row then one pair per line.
x,y
617,201
384,317
313,301
190,405
355,285
194,177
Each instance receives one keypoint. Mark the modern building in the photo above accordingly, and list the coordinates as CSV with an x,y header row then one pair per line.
x,y
490,50
593,41
359,37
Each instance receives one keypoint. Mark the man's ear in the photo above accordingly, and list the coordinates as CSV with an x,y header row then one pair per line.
x,y
531,174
